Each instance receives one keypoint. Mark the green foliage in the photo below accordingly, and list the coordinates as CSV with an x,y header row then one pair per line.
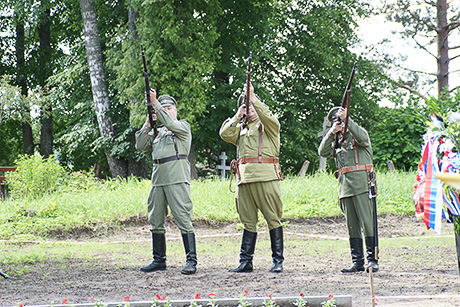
x,y
397,135
34,177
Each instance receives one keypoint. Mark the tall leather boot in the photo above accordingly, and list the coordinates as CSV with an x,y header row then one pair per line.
x,y
190,252
276,239
357,256
248,245
159,254
372,262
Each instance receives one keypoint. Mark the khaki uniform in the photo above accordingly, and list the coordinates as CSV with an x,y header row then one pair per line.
x,y
353,186
354,160
257,183
170,180
258,187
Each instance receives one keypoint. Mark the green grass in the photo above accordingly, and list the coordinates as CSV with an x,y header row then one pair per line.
x,y
111,204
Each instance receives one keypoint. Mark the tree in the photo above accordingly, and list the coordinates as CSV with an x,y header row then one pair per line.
x,y
99,85
427,23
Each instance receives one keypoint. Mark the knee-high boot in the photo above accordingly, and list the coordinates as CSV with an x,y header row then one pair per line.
x,y
357,256
159,254
190,252
372,262
276,239
248,245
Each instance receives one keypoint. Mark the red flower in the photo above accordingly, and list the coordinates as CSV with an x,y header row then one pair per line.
x,y
160,297
301,294
330,296
20,305
197,296
126,298
212,295
441,140
268,295
64,302
246,293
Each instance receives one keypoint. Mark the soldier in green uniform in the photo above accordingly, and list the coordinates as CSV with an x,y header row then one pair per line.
x,y
353,157
258,175
170,181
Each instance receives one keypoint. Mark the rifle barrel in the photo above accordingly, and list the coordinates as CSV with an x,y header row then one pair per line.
x,y
153,123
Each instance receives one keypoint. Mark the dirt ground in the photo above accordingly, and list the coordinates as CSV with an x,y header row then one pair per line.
x,y
407,277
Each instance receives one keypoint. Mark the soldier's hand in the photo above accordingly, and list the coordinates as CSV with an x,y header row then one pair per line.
x,y
153,96
241,111
337,127
252,96
342,113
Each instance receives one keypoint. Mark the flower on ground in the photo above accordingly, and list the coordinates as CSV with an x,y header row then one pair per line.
x,y
301,294
246,293
212,295
160,297
330,296
64,302
197,296
126,298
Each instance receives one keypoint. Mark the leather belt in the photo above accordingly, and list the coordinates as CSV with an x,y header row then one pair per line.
x,y
355,168
167,159
259,160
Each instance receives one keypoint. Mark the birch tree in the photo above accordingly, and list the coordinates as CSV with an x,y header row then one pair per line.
x,y
99,85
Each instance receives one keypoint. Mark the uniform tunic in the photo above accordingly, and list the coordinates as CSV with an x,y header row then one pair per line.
x,y
170,180
353,186
258,183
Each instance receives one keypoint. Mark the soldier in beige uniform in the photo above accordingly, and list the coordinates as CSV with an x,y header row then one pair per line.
x,y
353,157
170,181
258,175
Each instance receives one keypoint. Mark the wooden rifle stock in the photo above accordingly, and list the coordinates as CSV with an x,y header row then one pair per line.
x,y
346,105
248,84
153,123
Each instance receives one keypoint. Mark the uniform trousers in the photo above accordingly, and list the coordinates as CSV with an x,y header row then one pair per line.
x,y
177,197
264,196
359,211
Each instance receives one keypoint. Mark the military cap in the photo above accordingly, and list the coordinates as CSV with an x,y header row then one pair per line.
x,y
332,115
166,100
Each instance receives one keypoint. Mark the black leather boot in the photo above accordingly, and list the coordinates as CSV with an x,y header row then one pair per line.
x,y
248,245
276,239
372,262
159,254
190,252
357,256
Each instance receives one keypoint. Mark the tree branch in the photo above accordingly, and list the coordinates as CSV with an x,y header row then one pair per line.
x,y
455,88
453,58
453,25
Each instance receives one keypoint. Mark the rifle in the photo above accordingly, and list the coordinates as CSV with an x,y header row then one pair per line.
x,y
153,123
346,105
248,84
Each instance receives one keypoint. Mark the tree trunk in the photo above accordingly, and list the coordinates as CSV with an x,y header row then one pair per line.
x,y
117,166
27,136
443,47
46,116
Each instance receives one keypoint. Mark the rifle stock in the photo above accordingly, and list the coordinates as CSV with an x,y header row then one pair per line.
x,y
248,84
153,123
346,105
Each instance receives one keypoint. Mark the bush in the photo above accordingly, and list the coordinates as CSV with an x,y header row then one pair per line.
x,y
34,176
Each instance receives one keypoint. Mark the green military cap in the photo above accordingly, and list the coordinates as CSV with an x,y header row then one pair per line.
x,y
166,100
332,115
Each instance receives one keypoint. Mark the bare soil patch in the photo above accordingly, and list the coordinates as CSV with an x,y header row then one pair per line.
x,y
309,268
